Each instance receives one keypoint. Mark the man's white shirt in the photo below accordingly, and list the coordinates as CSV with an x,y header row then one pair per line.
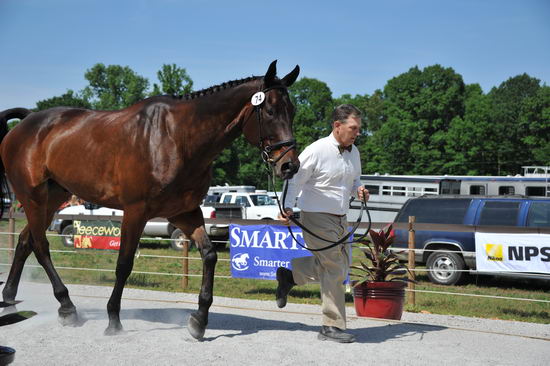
x,y
326,179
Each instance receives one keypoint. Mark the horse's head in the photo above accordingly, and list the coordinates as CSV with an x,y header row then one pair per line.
x,y
270,126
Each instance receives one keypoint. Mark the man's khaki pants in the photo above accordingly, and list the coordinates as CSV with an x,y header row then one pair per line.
x,y
329,267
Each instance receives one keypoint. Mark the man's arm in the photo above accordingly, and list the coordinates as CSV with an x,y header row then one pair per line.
x,y
294,186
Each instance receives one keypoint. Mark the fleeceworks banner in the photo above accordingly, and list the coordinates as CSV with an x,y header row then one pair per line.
x,y
513,252
96,234
258,250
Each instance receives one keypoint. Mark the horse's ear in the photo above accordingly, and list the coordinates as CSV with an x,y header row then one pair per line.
x,y
269,77
291,77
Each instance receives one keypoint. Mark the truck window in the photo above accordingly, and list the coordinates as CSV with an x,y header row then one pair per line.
x,y
499,213
242,200
539,214
212,198
227,198
435,211
262,200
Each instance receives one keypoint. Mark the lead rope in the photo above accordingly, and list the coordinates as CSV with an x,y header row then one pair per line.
x,y
333,243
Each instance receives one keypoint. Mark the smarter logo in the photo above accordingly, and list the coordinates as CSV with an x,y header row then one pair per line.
x,y
240,261
494,252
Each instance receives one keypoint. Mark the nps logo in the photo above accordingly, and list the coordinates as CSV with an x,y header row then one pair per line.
x,y
240,261
494,252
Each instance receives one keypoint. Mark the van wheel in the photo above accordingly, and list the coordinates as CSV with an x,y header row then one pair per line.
x,y
444,268
178,238
68,240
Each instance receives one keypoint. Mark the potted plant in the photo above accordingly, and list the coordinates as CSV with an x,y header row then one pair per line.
x,y
378,293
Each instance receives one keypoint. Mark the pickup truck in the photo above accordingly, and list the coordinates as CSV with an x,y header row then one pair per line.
x,y
451,225
255,205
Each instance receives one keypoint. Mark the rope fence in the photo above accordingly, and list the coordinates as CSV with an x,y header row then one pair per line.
x,y
185,257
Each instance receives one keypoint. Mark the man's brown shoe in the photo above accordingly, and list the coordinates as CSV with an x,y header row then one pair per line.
x,y
286,282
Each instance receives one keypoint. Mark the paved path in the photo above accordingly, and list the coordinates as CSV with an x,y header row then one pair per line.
x,y
247,332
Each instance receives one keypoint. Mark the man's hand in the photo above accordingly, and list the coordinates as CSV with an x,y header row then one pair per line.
x,y
285,218
363,194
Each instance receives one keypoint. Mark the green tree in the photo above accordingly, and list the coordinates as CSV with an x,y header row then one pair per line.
x,y
510,104
173,81
69,99
418,107
535,125
313,101
469,139
114,86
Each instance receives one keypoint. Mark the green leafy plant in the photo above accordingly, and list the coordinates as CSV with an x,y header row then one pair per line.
x,y
381,263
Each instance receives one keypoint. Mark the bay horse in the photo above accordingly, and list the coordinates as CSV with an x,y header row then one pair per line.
x,y
152,159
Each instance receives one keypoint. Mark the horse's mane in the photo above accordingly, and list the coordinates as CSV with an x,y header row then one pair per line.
x,y
216,88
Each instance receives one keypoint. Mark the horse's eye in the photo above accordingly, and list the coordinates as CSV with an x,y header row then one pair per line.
x,y
269,111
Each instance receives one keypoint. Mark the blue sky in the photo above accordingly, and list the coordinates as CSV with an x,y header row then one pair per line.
x,y
353,46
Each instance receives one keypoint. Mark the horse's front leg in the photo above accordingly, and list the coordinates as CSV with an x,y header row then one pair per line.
x,y
192,225
133,223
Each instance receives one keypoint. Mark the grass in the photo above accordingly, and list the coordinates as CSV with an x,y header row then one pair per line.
x,y
535,312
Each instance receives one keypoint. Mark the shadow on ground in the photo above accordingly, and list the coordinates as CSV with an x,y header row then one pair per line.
x,y
234,325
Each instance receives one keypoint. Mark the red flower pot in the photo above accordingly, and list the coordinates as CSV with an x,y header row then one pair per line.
x,y
380,299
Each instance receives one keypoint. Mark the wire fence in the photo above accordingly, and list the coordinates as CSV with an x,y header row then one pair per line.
x,y
186,274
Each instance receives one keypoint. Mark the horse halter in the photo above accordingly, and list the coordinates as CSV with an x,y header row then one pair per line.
x,y
258,100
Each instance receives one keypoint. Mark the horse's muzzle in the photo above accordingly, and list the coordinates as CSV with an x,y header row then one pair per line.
x,y
288,169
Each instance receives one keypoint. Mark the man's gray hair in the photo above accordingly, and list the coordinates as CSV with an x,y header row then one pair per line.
x,y
344,111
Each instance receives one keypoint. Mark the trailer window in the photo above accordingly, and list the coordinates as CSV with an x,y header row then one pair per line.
x,y
535,191
450,187
499,213
539,214
373,189
504,190
477,190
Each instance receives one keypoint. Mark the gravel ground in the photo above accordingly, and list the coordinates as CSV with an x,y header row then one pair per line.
x,y
248,332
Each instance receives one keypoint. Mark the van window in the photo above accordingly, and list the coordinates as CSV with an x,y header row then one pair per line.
x,y
227,199
539,214
499,213
435,211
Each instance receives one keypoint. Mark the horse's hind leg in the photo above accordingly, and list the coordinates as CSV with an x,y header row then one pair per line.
x,y
192,225
39,210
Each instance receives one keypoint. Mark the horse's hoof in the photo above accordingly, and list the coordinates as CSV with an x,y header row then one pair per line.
x,y
114,330
68,317
195,327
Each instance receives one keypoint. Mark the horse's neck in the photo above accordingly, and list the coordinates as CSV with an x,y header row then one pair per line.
x,y
221,110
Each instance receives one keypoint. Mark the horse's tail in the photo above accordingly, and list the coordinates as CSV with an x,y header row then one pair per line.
x,y
5,116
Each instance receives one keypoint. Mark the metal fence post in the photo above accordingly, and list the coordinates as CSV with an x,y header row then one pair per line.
x,y
411,285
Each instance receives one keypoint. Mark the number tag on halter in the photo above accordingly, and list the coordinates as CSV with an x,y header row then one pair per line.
x,y
258,98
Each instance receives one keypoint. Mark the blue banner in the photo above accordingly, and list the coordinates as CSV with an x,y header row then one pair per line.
x,y
257,251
